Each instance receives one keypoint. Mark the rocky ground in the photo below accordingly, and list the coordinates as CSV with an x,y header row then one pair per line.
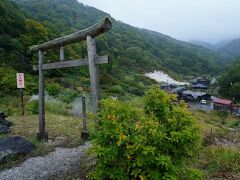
x,y
52,166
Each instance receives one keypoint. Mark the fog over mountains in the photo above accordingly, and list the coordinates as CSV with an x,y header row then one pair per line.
x,y
209,21
229,49
210,24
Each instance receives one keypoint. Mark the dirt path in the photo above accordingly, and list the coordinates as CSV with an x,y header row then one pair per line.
x,y
61,161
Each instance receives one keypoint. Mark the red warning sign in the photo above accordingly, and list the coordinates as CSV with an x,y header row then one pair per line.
x,y
20,80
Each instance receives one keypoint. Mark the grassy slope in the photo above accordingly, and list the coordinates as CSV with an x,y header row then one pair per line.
x,y
57,124
218,161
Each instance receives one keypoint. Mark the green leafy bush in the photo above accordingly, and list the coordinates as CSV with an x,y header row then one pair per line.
x,y
151,145
32,107
67,95
57,107
52,106
53,89
7,78
116,89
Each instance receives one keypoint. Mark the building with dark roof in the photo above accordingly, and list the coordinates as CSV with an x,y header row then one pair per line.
x,y
200,83
199,86
222,104
168,87
178,90
195,96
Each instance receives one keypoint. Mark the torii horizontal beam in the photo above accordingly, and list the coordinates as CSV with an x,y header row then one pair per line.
x,y
92,31
72,63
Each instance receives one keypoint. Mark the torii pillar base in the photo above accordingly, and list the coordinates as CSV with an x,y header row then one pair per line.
x,y
85,135
43,136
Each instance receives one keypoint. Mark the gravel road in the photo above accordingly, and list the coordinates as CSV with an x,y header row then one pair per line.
x,y
56,163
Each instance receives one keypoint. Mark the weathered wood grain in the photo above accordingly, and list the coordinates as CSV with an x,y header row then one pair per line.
x,y
22,101
61,53
84,116
84,133
92,31
41,97
72,63
93,69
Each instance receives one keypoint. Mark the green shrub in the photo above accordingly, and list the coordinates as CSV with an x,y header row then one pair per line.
x,y
57,107
67,95
222,113
32,107
151,145
236,124
9,102
53,89
7,78
51,106
116,89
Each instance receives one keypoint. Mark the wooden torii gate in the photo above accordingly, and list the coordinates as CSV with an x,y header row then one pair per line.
x,y
92,61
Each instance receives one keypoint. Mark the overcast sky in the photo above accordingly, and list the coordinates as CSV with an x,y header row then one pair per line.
x,y
206,20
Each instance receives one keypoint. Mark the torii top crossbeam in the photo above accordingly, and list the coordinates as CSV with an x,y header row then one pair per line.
x,y
92,31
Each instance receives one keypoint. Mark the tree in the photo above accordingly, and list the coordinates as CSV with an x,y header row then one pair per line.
x,y
229,82
154,144
35,33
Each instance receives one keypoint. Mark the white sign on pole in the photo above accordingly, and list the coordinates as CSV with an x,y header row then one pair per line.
x,y
20,80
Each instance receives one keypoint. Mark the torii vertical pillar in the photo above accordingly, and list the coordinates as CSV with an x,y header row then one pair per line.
x,y
93,69
41,98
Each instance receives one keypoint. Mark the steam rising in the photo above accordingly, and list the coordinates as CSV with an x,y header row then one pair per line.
x,y
76,105
160,76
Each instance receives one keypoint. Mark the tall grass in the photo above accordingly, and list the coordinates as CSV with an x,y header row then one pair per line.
x,y
220,162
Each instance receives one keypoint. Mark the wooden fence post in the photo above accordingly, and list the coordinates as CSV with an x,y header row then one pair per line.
x,y
41,134
93,69
22,101
84,134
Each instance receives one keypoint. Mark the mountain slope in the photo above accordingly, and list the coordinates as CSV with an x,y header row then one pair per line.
x,y
13,30
203,44
143,50
230,50
133,51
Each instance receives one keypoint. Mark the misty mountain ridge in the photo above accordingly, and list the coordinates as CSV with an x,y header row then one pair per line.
x,y
134,45
229,49
211,46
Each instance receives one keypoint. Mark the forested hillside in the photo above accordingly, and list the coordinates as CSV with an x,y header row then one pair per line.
x,y
147,46
14,28
229,82
230,50
133,51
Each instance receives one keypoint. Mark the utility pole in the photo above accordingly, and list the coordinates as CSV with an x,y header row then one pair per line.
x,y
232,98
